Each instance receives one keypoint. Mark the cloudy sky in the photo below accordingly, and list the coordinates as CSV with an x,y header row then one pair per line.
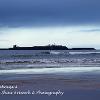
x,y
74,23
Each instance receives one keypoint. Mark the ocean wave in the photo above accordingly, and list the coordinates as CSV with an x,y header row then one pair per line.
x,y
52,70
84,53
48,59
51,61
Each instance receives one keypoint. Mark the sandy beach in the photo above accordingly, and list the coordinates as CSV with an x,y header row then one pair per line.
x,y
42,86
53,83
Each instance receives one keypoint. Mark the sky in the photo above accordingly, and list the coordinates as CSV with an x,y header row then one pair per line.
x,y
74,23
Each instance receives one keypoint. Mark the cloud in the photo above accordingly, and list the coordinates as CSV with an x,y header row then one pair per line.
x,y
69,36
4,40
90,30
48,12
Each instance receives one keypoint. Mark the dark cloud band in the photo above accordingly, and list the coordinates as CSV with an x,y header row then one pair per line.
x,y
49,12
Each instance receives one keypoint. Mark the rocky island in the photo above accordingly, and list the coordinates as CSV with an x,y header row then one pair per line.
x,y
47,47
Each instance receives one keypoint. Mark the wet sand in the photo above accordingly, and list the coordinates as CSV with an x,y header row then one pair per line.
x,y
53,83
74,89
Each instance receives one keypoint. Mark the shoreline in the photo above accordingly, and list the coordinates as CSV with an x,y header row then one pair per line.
x,y
73,88
50,82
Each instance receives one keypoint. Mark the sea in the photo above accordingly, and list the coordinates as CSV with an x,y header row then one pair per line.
x,y
16,64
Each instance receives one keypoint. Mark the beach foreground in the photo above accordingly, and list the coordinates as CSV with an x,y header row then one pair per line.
x,y
50,87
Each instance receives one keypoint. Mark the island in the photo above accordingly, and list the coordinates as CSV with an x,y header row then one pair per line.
x,y
47,47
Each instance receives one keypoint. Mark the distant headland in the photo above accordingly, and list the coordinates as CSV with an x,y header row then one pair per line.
x,y
47,47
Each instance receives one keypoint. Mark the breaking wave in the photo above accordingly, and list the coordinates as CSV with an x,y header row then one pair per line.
x,y
48,59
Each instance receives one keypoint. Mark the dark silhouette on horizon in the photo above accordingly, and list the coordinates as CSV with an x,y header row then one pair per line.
x,y
48,47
